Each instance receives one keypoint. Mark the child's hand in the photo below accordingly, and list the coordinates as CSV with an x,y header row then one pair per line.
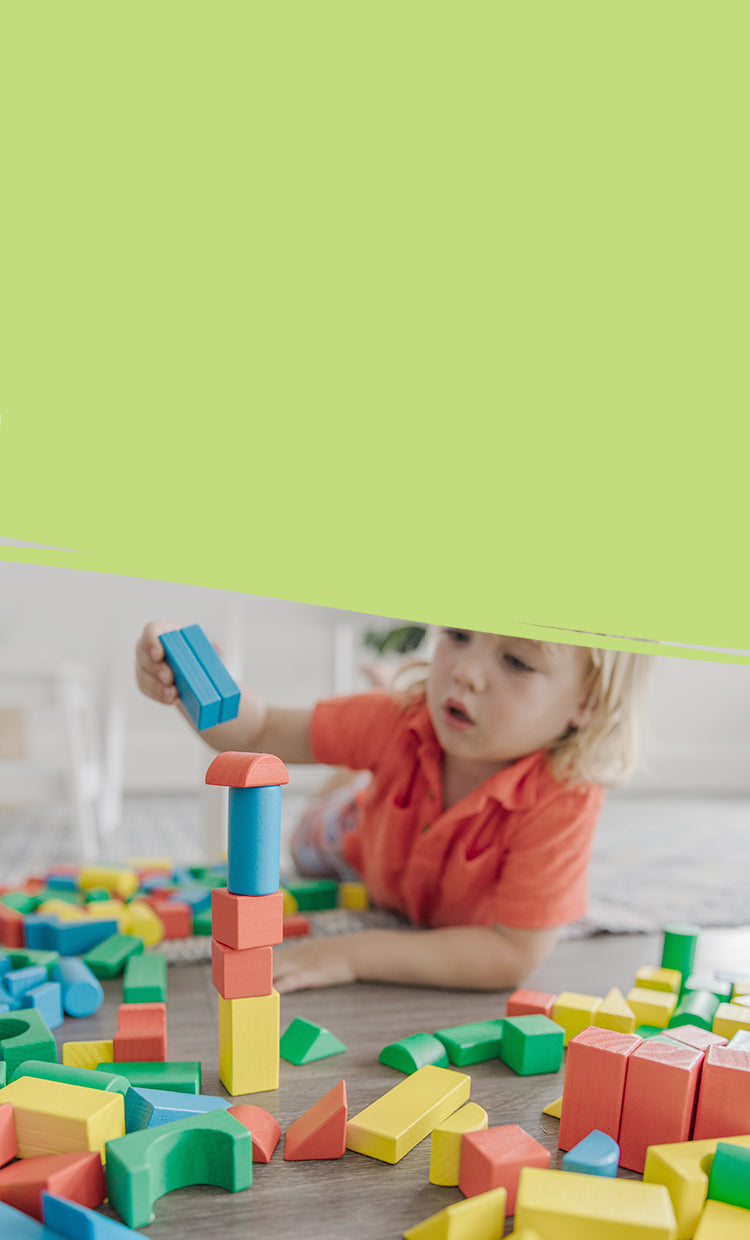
x,y
152,673
316,962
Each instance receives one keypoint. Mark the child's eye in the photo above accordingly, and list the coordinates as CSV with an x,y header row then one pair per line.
x,y
458,636
517,665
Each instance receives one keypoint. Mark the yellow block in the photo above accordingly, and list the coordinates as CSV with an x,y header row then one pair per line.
x,y
615,1013
526,1233
445,1149
397,1121
51,1117
112,877
684,1167
353,895
104,909
166,864
140,919
249,1043
574,1012
478,1218
554,1109
566,1205
652,1007
62,909
729,1018
87,1054
288,903
740,988
659,979
720,1221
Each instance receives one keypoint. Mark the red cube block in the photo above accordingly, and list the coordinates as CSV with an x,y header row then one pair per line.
x,y
241,974
494,1159
243,922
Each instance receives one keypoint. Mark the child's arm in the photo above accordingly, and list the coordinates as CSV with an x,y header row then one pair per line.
x,y
257,728
454,957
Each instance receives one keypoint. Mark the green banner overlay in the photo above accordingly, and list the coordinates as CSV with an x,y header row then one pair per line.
x,y
432,310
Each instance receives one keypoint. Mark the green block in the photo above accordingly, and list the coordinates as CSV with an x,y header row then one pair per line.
x,y
145,979
678,951
109,958
722,990
59,893
473,1043
21,901
94,895
729,1179
207,876
201,1149
314,893
3,1072
202,921
303,1042
532,1044
182,1076
647,1031
23,957
696,1007
110,1082
414,1052
24,1035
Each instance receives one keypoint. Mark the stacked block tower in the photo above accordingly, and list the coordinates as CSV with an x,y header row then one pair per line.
x,y
247,920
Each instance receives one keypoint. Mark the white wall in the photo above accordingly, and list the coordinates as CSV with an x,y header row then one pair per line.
x,y
696,728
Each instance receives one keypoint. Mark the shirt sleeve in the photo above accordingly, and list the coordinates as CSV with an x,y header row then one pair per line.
x,y
544,877
353,731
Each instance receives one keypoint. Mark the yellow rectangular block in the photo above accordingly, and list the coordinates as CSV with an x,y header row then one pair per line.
x,y
249,1043
652,1007
565,1205
397,1121
63,910
729,1018
575,1012
51,1117
720,1221
445,1149
659,979
353,895
112,877
87,1054
151,863
684,1167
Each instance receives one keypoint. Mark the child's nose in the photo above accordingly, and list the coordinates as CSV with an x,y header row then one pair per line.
x,y
470,672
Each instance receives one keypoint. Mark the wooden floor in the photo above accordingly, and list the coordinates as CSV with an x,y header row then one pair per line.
x,y
357,1197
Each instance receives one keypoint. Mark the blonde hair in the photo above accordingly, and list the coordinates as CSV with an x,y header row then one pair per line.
x,y
604,749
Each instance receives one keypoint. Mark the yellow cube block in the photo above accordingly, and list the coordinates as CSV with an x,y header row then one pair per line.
x,y
52,1117
683,1167
249,1043
353,895
401,1118
659,979
729,1018
575,1012
566,1205
652,1007
87,1054
445,1150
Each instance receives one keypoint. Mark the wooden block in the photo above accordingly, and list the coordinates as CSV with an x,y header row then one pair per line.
x,y
198,695
141,1032
724,1096
249,1044
254,835
303,1042
562,1205
8,1143
729,1180
11,927
321,1131
145,978
698,1007
494,1159
140,920
575,1012
480,1218
183,1075
78,1175
264,1129
473,1043
71,1075
87,1054
719,1221
414,1052
175,915
553,1108
247,770
694,1035
142,1018
243,922
204,1149
25,1035
296,926
615,1013
659,979
652,1007
397,1121
241,974
150,1108
683,1169
210,661
730,1018
679,947
52,1117
659,1099
595,1071
117,879
290,904
353,895
445,1148
532,1044
82,993
596,1154
530,1003
76,1222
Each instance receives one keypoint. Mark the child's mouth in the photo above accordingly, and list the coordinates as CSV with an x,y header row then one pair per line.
x,y
456,716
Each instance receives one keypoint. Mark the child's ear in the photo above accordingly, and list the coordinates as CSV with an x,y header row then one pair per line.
x,y
585,710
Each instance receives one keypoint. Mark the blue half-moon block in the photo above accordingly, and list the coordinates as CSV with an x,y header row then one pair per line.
x,y
254,841
596,1154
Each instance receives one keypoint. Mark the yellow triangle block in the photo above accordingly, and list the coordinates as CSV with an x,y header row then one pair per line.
x,y
478,1218
554,1109
615,1013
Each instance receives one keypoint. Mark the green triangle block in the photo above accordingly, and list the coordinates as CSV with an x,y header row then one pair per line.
x,y
303,1042
414,1052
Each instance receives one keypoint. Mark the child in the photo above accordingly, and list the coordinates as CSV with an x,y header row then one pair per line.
x,y
478,821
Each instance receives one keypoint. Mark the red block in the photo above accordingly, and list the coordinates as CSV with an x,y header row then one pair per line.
x,y
724,1096
243,922
176,915
141,1033
79,1176
693,1035
296,925
530,1003
241,974
321,1131
264,1129
495,1157
11,927
8,1145
142,1018
247,770
659,1099
595,1069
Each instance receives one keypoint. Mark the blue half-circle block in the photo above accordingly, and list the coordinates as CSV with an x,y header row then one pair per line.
x,y
596,1154
254,841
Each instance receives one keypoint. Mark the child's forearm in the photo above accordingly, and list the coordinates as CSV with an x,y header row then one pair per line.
x,y
461,957
259,728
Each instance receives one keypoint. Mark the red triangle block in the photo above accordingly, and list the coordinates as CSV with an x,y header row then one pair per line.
x,y
264,1129
8,1144
321,1131
79,1176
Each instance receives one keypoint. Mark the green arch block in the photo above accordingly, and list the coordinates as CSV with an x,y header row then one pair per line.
x,y
414,1052
25,1035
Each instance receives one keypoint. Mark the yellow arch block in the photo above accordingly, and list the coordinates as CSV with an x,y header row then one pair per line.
x,y
445,1150
684,1167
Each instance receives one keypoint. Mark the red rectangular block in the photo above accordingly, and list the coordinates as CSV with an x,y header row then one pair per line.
x,y
78,1176
296,926
176,915
243,922
142,1018
595,1069
241,974
139,1047
530,1003
693,1035
8,1146
11,927
659,1099
724,1095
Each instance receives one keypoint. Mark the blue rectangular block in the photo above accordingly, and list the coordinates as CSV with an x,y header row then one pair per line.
x,y
18,981
75,1222
225,686
47,999
197,693
148,1108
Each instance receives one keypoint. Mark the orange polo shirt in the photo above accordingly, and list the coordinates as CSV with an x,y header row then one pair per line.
x,y
514,852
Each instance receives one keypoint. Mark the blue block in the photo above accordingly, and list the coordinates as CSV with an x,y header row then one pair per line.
x,y
254,841
47,999
197,693
14,1225
73,938
596,1154
148,1108
82,992
6,964
40,932
17,981
197,897
62,882
156,882
8,1001
225,686
76,1222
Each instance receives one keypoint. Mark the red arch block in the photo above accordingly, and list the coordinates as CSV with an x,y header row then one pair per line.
x,y
247,770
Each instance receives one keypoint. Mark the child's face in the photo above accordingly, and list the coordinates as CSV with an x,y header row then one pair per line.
x,y
493,699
